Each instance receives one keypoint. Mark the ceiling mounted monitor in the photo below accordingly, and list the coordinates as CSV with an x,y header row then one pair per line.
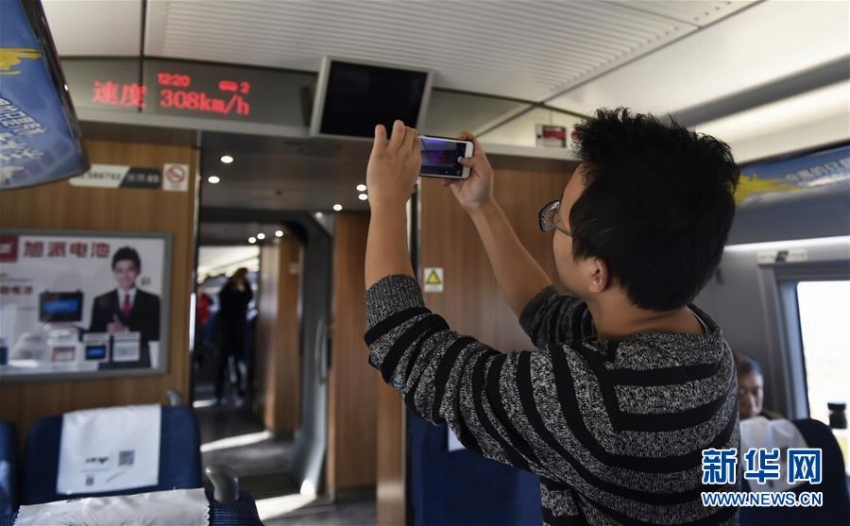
x,y
40,139
353,96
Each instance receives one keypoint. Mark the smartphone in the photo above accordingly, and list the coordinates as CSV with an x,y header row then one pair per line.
x,y
440,155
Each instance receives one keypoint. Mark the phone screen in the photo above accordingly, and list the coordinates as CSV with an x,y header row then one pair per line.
x,y
439,157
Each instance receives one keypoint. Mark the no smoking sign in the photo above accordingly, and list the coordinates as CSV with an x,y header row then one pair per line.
x,y
175,177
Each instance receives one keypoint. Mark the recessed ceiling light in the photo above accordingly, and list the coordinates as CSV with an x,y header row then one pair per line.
x,y
261,236
214,179
337,207
361,187
318,215
279,233
363,197
252,240
227,159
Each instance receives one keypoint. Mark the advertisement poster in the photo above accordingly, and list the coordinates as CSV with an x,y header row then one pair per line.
x,y
39,135
828,170
83,304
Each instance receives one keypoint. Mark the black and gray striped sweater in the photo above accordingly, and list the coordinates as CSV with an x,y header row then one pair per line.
x,y
615,430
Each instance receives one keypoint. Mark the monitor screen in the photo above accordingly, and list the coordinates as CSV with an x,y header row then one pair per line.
x,y
60,306
352,97
96,352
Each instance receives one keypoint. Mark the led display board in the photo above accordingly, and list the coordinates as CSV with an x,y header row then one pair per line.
x,y
189,89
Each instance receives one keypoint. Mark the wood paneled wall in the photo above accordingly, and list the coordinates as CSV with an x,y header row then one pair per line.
x,y
392,448
352,390
278,335
60,206
471,301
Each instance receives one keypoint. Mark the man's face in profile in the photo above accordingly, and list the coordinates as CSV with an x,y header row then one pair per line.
x,y
125,273
562,245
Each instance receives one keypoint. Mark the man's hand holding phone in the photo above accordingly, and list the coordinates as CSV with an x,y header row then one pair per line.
x,y
477,189
394,165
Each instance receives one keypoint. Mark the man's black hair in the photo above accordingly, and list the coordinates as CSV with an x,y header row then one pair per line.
x,y
657,206
129,254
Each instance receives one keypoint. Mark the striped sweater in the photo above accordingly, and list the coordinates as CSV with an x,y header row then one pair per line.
x,y
614,429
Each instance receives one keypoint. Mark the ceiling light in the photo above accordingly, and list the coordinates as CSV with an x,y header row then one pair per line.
x,y
227,159
214,179
791,243
363,197
252,240
279,233
318,215
361,187
261,236
337,207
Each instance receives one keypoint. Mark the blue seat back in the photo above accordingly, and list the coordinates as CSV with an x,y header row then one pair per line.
x,y
462,488
836,501
179,457
8,468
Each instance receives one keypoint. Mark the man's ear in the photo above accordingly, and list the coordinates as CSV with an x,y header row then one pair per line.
x,y
599,278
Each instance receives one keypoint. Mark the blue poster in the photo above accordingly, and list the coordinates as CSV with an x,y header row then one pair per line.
x,y
39,135
829,169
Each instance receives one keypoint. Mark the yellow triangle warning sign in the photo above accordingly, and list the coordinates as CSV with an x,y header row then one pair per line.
x,y
433,278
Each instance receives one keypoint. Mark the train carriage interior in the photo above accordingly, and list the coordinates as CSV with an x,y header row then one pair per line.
x,y
214,156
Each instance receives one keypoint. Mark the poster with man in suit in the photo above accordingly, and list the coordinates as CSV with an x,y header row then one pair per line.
x,y
127,308
83,303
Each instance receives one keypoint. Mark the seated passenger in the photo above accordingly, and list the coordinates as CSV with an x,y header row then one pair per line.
x,y
631,382
751,388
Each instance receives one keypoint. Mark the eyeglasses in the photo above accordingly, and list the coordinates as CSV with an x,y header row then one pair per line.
x,y
549,217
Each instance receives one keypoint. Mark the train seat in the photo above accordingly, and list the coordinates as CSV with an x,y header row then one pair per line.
x,y
180,468
192,506
179,457
8,467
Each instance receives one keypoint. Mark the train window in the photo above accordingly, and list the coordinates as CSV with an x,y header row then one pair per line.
x,y
824,311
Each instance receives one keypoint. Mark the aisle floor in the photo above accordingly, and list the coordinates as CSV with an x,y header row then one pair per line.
x,y
232,436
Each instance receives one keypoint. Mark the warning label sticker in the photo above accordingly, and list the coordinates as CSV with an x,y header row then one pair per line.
x,y
433,279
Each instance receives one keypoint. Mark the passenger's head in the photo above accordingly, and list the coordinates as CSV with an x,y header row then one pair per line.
x,y
240,275
126,266
750,386
649,209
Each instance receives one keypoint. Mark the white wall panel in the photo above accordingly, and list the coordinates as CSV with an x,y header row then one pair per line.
x,y
522,131
690,11
95,27
528,50
756,46
813,119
